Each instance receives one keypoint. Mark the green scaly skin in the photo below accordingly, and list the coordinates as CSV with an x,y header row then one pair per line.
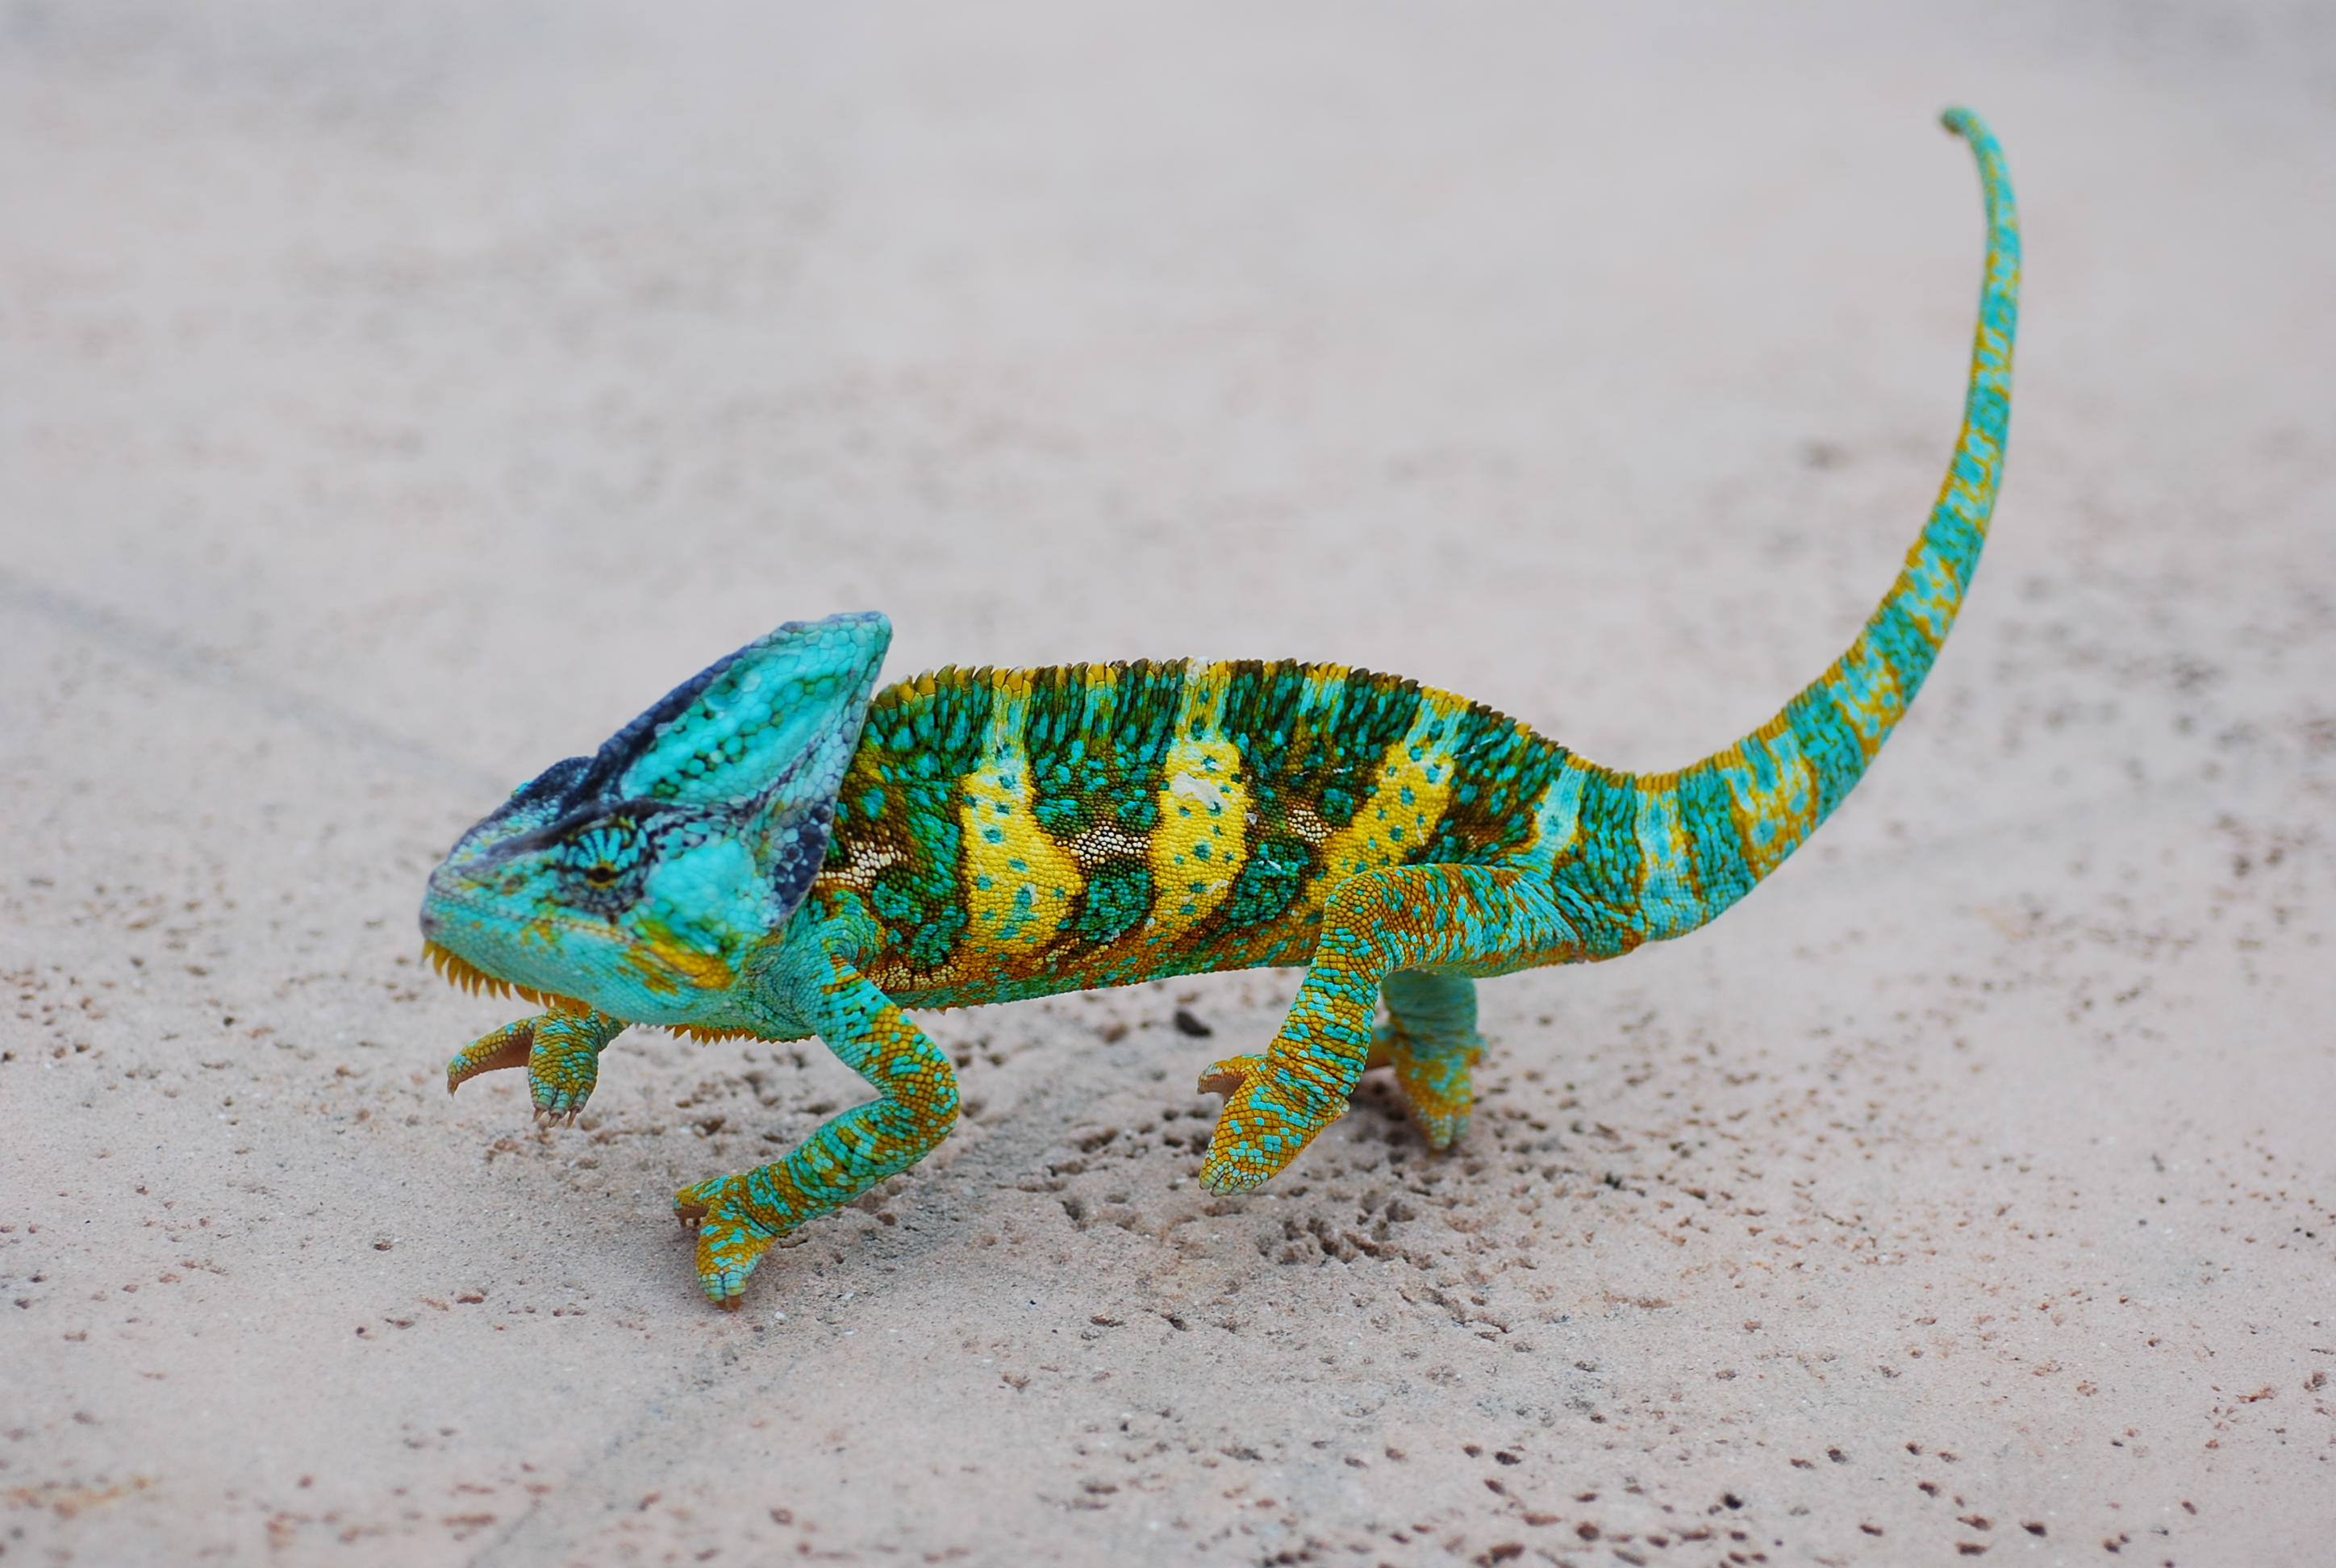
x,y
778,849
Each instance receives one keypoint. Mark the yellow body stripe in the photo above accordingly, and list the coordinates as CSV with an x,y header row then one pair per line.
x,y
1019,882
1202,841
1406,801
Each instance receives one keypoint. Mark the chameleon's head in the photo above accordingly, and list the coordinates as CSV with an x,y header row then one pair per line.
x,y
638,879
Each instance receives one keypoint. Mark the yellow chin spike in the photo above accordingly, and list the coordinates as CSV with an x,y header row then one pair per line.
x,y
463,975
707,1033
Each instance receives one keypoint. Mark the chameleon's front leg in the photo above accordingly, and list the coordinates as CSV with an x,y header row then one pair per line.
x,y
560,1050
738,1217
1403,917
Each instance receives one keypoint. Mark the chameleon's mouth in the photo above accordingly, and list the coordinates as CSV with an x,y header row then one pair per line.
x,y
463,975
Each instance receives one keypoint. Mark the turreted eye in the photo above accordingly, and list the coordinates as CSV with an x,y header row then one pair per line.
x,y
603,854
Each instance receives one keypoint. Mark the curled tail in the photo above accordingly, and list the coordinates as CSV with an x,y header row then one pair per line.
x,y
1713,830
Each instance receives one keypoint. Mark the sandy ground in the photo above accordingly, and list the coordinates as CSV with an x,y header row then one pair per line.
x,y
391,403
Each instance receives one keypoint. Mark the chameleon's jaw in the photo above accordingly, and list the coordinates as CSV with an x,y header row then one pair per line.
x,y
465,975
465,950
478,946
629,964
483,950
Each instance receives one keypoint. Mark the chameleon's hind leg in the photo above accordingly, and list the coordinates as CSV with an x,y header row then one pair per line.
x,y
1430,1037
738,1217
560,1050
1464,919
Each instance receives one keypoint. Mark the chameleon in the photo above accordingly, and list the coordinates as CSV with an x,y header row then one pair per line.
x,y
778,849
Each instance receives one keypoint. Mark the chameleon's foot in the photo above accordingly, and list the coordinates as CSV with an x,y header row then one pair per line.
x,y
1435,1080
1431,1040
562,1068
730,1239
560,1050
1269,1114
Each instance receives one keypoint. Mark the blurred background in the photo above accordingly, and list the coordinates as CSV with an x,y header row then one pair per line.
x,y
363,345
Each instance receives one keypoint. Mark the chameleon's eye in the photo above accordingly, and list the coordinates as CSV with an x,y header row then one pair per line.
x,y
602,854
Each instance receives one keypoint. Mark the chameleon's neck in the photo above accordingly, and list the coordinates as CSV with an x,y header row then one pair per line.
x,y
1785,778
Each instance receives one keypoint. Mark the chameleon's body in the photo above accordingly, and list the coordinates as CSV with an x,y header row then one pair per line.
x,y
772,850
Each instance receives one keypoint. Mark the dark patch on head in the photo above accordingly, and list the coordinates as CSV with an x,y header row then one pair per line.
x,y
521,837
545,801
575,789
555,786
602,855
622,749
793,847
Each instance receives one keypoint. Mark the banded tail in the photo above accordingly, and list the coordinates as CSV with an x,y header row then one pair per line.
x,y
1733,817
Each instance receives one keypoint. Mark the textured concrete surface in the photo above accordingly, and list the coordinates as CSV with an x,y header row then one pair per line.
x,y
394,399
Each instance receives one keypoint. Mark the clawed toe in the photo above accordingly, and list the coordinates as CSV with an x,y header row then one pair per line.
x,y
730,1240
1441,1131
1226,1077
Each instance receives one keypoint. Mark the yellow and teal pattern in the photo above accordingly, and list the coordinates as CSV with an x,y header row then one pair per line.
x,y
778,849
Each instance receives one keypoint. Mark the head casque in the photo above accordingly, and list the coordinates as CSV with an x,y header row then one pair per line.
x,y
639,878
